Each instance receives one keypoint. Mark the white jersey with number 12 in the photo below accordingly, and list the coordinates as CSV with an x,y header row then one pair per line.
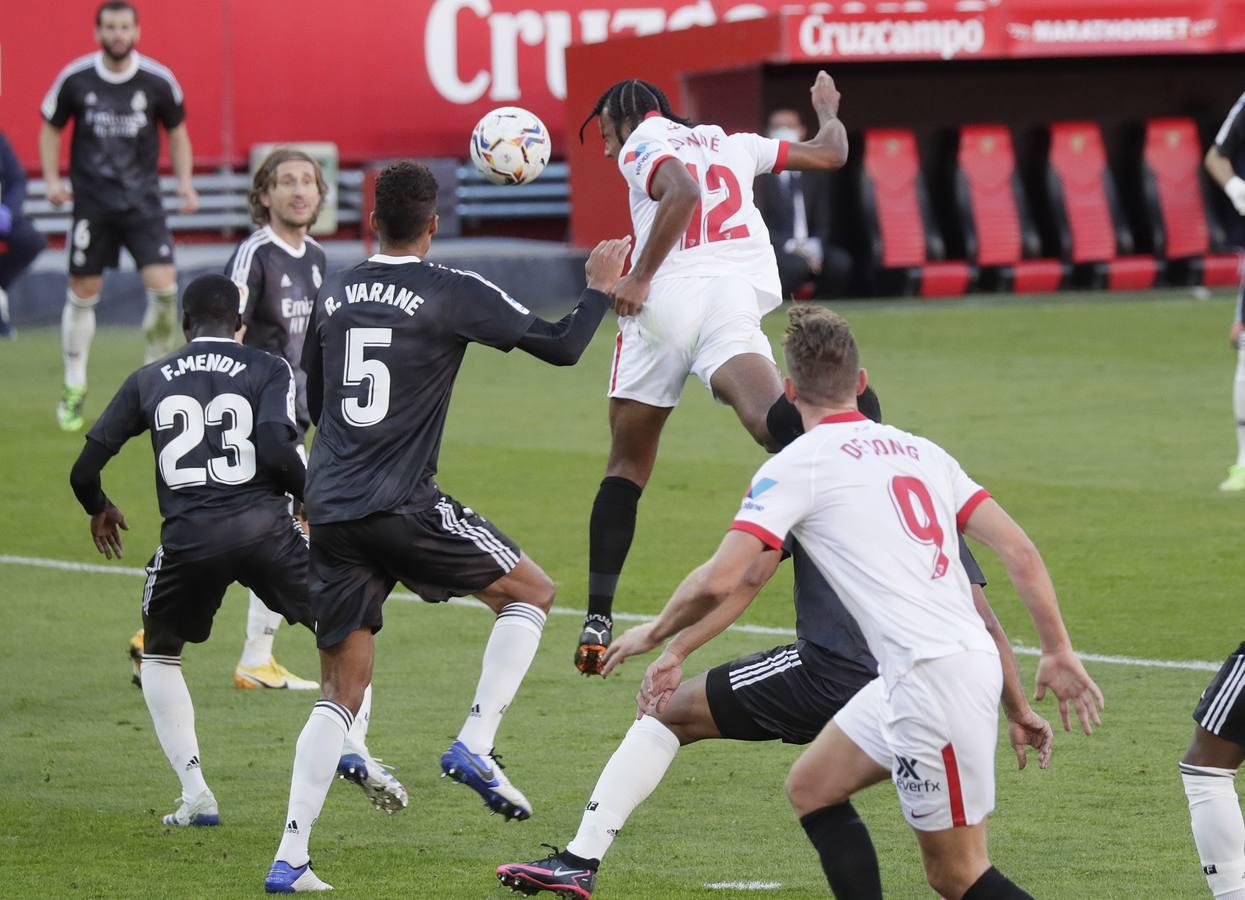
x,y
727,235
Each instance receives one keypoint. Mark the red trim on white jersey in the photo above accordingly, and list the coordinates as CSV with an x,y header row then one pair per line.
x,y
853,416
780,163
765,537
962,517
648,184
954,793
617,355
652,114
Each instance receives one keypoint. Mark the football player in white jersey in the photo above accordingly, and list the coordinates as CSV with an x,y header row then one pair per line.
x,y
703,274
877,510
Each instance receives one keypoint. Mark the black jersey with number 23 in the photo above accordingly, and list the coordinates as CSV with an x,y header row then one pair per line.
x,y
203,405
383,348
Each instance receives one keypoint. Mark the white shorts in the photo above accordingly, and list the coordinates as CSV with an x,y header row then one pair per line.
x,y
936,733
687,326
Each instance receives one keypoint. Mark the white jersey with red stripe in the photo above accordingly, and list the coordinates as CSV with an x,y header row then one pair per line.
x,y
878,511
727,235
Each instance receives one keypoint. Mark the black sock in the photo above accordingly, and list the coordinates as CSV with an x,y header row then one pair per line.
x,y
610,531
783,421
578,861
994,885
846,851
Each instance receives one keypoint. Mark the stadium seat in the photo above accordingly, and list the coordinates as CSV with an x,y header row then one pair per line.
x,y
1176,205
906,251
1088,223
998,231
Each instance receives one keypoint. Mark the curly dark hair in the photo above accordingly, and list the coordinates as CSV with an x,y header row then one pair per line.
x,y
406,200
628,102
822,357
266,179
210,298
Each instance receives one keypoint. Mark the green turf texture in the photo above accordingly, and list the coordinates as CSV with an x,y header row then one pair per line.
x,y
1102,423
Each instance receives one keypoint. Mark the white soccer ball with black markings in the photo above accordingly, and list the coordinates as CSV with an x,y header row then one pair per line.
x,y
510,146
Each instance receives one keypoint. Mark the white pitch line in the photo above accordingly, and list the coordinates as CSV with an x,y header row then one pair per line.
x,y
65,565
744,885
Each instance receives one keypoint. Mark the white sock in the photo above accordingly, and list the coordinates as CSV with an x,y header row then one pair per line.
x,y
77,332
1238,404
633,772
1218,829
261,627
509,652
161,307
168,701
356,740
315,762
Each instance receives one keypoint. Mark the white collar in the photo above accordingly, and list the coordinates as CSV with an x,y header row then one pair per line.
x,y
296,252
393,260
116,77
214,340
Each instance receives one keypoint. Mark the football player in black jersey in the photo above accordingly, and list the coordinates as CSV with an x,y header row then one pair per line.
x,y
116,99
383,349
221,418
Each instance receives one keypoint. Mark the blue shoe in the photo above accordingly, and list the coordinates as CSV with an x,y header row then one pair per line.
x,y
484,775
286,879
384,791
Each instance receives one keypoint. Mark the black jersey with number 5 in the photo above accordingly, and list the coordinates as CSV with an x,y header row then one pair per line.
x,y
382,351
203,405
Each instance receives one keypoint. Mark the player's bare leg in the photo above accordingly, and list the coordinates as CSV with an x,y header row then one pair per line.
x,y
345,673
160,329
1208,770
77,333
522,599
749,383
173,715
635,431
820,787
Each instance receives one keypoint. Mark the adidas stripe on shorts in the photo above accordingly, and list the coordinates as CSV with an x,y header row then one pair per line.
x,y
1221,711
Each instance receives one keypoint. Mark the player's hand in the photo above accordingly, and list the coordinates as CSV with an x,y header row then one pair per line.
x,y
661,680
104,532
825,96
190,197
1063,675
1028,729
629,295
631,642
605,263
58,193
1234,335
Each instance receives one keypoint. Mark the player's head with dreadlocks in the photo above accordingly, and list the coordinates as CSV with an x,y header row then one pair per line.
x,y
623,106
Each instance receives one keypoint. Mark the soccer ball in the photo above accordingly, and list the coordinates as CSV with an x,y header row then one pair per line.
x,y
510,146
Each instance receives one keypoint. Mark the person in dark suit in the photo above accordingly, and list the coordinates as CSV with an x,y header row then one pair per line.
x,y
796,209
20,243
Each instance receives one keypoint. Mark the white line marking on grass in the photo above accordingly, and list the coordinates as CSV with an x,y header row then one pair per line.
x,y
65,565
744,885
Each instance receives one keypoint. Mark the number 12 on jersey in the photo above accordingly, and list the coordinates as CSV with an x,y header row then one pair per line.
x,y
708,228
921,526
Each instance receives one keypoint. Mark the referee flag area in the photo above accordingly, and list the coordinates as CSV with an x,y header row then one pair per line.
x,y
1103,427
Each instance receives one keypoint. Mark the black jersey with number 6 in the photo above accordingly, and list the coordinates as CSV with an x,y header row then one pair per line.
x,y
203,405
382,351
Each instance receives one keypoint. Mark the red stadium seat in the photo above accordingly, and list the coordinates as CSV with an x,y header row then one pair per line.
x,y
1171,172
1088,222
999,235
906,249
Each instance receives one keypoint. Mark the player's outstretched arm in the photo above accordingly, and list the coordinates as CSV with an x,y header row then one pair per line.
x,y
87,486
277,453
50,159
1059,670
827,149
562,343
677,194
1025,728
182,158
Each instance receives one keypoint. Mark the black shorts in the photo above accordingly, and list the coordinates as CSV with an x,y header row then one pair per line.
x,y
788,693
97,236
1221,711
443,552
181,597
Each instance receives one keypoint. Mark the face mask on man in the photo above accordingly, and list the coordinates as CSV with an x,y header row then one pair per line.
x,y
785,134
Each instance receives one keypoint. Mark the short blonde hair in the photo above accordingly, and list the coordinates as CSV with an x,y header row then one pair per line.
x,y
266,179
823,360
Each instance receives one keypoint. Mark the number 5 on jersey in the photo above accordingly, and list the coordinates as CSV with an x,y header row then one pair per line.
x,y
361,370
922,527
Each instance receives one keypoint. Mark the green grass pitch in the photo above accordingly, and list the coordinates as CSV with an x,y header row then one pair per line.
x,y
1102,423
